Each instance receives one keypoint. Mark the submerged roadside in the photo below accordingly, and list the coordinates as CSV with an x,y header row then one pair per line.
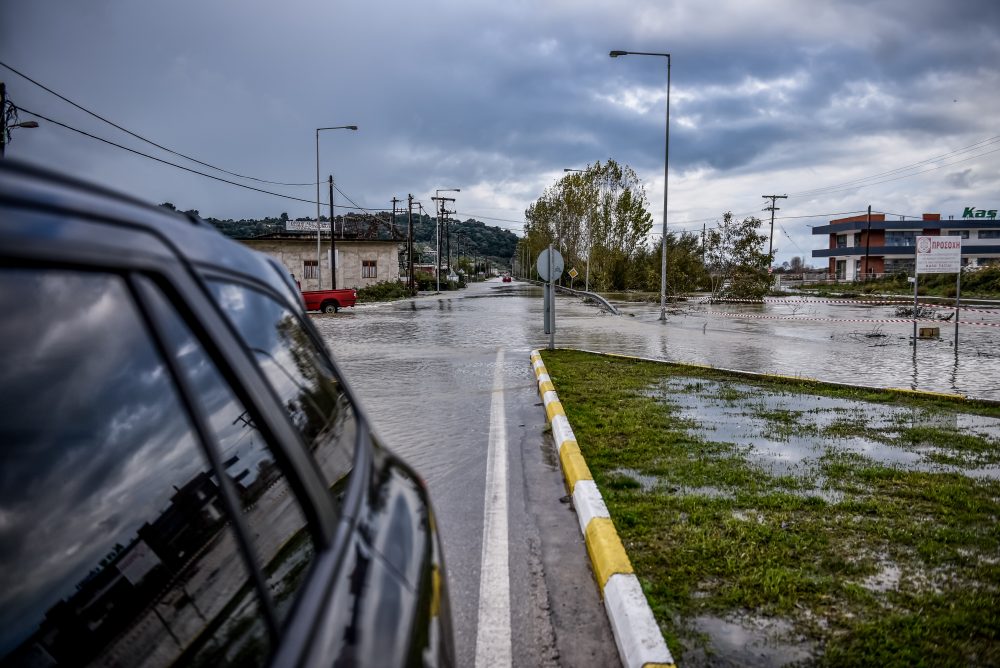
x,y
774,521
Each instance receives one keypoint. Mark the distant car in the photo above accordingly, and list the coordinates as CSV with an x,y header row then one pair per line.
x,y
185,476
506,278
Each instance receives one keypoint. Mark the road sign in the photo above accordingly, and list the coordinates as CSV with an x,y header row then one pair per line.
x,y
543,265
939,255
573,273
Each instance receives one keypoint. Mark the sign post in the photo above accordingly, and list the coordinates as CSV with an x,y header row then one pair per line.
x,y
550,268
938,255
573,273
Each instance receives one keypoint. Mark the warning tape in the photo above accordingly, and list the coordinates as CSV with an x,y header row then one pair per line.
x,y
864,320
862,302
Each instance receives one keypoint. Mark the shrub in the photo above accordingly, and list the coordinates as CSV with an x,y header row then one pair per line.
x,y
382,292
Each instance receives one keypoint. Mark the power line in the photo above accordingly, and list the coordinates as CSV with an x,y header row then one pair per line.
x,y
980,144
141,138
172,164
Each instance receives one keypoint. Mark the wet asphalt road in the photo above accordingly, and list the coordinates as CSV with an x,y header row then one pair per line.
x,y
424,369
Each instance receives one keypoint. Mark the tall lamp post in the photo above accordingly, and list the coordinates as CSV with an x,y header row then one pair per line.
x,y
666,160
440,201
319,255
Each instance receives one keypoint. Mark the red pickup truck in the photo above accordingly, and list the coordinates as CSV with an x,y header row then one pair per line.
x,y
328,301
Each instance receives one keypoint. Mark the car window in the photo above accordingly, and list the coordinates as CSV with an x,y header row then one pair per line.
x,y
299,375
114,542
274,519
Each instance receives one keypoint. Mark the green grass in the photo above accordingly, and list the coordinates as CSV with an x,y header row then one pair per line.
x,y
772,546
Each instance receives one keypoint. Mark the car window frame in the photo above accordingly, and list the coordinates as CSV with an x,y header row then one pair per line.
x,y
182,282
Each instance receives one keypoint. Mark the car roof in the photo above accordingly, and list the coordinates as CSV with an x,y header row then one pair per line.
x,y
185,236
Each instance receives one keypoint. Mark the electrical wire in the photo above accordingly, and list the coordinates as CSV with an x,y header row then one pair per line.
x,y
980,144
173,164
141,138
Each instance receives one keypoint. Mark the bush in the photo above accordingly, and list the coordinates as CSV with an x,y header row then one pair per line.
x,y
382,292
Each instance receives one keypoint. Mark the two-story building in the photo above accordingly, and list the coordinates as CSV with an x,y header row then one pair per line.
x,y
858,246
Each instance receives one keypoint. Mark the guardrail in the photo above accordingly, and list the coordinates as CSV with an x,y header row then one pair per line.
x,y
602,302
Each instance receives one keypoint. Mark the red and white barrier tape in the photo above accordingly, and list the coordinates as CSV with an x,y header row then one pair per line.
x,y
851,302
864,320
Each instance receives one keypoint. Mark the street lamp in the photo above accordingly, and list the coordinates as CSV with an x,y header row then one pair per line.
x,y
666,160
437,232
319,264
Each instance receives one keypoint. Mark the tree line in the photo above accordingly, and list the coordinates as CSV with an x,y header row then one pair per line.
x,y
599,217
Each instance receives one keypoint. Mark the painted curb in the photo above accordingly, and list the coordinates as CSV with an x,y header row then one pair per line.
x,y
639,640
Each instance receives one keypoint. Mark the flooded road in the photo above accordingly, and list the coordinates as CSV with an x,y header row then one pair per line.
x,y
425,370
847,343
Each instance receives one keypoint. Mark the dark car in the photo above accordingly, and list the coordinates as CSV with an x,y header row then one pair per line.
x,y
185,476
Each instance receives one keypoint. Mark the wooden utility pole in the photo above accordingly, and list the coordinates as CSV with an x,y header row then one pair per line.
x,y
772,209
333,243
409,242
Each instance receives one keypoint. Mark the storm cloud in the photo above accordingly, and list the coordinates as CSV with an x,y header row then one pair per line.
x,y
497,98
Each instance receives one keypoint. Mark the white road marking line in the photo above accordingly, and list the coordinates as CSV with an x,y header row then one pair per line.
x,y
493,644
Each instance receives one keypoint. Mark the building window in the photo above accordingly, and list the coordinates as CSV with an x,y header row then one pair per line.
x,y
310,269
989,234
857,239
368,269
841,241
900,238
959,233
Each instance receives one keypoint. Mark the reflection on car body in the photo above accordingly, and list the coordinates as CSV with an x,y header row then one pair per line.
x,y
185,477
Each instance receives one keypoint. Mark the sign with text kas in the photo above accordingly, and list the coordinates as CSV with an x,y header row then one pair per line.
x,y
939,255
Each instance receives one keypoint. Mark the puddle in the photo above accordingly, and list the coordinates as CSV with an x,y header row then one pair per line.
x,y
647,483
789,433
747,640
887,579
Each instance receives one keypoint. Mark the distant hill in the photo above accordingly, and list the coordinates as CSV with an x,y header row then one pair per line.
x,y
477,238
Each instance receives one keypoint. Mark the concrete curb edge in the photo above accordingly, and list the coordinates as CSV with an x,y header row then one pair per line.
x,y
637,635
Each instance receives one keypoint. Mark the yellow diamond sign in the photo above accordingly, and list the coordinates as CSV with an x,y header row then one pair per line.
x,y
573,273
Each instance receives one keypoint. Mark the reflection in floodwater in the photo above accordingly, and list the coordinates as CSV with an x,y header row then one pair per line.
x,y
790,433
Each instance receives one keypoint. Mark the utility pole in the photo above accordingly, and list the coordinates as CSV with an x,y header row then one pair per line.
x,y
409,243
333,243
447,238
772,209
441,211
868,245
393,227
704,229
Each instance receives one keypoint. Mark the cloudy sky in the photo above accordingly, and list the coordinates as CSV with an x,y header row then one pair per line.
x,y
824,101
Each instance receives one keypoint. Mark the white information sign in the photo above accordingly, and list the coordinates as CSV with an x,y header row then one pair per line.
x,y
137,562
939,255
543,265
305,226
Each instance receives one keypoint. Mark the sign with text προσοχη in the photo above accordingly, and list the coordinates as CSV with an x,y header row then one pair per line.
x,y
939,255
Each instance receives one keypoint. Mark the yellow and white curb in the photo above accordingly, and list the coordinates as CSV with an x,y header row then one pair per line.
x,y
639,640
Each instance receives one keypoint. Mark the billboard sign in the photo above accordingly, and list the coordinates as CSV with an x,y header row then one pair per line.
x,y
939,255
137,562
305,226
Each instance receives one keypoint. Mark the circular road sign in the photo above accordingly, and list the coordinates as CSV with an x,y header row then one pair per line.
x,y
543,265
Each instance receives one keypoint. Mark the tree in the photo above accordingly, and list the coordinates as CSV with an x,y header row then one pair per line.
x,y
736,260
600,213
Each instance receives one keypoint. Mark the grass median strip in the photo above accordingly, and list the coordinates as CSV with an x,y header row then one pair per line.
x,y
816,524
